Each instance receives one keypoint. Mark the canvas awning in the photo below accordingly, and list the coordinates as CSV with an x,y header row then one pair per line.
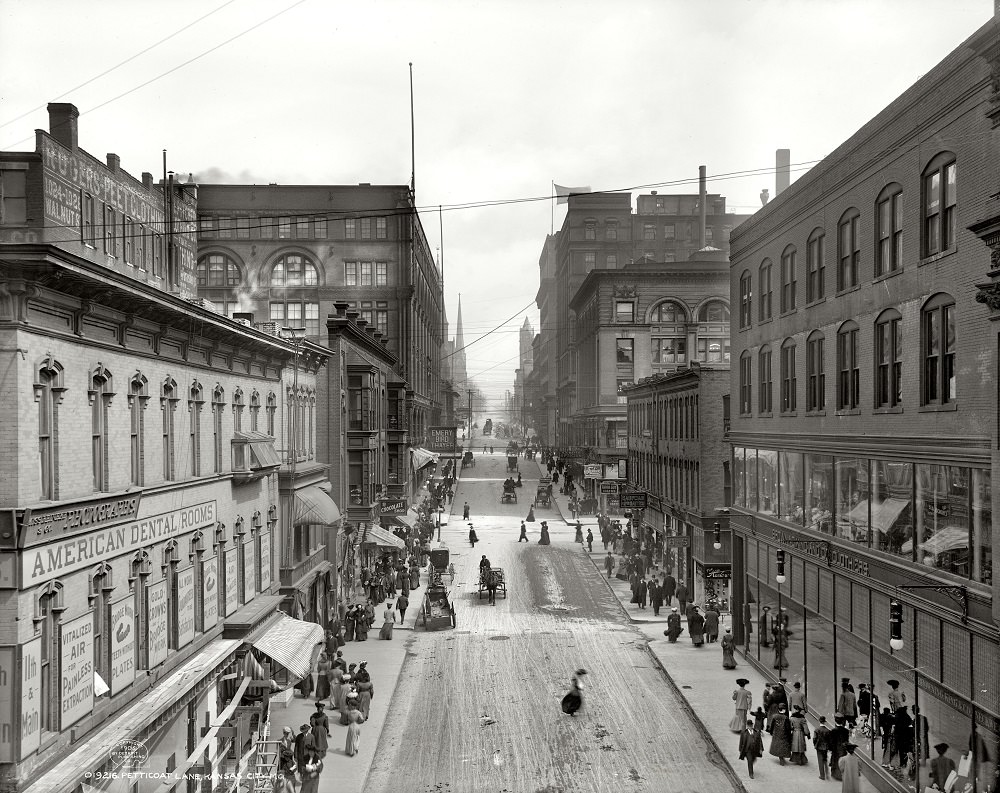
x,y
884,513
314,506
420,458
409,519
947,539
291,643
376,535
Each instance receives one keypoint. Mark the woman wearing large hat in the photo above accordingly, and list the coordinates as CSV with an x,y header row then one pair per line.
x,y
743,700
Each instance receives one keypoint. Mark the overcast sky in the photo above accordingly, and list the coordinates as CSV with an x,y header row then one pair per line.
x,y
510,95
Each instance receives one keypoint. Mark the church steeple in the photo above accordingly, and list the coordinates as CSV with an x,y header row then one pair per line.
x,y
459,338
459,371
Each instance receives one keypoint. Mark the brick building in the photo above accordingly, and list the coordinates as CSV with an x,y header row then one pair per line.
x,y
139,503
864,426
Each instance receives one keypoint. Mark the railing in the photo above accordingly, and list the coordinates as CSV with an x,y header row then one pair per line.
x,y
289,575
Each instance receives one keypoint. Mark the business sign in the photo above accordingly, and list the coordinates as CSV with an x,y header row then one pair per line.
x,y
232,581
714,570
676,542
76,670
62,556
44,524
8,696
609,488
632,500
156,624
265,561
442,439
392,506
209,593
249,572
184,582
31,697
122,642
612,502
593,471
623,469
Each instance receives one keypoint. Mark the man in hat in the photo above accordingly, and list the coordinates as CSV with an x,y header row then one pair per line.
x,y
609,564
847,703
655,593
641,590
821,740
524,534
897,699
303,746
682,597
751,745
465,511
669,587
797,699
711,622
941,766
840,736
673,626
850,769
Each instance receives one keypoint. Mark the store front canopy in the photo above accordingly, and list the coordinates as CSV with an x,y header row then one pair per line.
x,y
884,513
291,643
950,538
421,458
379,536
314,506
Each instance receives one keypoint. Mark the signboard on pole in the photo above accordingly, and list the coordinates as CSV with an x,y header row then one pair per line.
x,y
632,500
442,439
609,488
676,542
593,471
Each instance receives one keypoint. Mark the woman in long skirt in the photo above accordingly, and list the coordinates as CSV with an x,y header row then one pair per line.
x,y
362,624
365,693
743,700
573,700
350,622
800,732
728,644
344,702
323,677
355,720
310,774
414,576
781,736
388,621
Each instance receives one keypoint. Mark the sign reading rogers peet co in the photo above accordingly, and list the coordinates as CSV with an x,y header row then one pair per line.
x,y
63,556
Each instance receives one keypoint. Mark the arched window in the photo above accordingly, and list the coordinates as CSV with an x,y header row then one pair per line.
x,y
255,410
764,387
668,311
218,270
48,388
238,407
848,369
937,349
816,266
815,371
765,290
746,299
888,359
272,408
196,398
101,586
714,311
848,249
48,617
293,269
789,384
138,398
100,393
940,197
746,383
168,404
218,409
788,279
889,230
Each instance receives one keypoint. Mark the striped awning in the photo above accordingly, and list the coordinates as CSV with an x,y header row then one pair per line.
x,y
314,506
421,458
291,643
376,535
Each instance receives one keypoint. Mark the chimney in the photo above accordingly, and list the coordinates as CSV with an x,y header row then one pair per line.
x,y
62,123
147,180
765,196
782,170
702,200
114,162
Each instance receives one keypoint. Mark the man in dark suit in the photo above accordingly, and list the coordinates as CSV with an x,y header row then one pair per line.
x,y
751,745
641,590
821,740
655,593
669,587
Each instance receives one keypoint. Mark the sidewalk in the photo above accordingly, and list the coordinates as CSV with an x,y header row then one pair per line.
x,y
343,774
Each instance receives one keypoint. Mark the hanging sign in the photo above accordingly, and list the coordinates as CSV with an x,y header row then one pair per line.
x,y
156,624
610,488
209,593
122,642
76,670
632,500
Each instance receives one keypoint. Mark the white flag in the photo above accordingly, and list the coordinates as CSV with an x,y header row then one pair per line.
x,y
563,193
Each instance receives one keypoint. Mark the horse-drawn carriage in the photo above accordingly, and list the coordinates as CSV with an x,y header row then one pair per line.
x,y
492,577
509,495
512,463
468,460
543,496
437,610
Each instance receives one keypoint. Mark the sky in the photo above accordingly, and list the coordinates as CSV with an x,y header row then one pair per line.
x,y
509,96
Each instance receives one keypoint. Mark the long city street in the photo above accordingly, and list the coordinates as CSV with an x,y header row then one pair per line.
x,y
477,707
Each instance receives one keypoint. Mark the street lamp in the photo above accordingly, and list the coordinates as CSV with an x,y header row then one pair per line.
x,y
296,336
896,625
779,624
440,513
717,536
780,577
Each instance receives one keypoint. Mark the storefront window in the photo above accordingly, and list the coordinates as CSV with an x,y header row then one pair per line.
x,y
942,516
767,481
821,693
795,639
767,613
751,468
854,663
891,509
982,522
852,500
819,493
987,749
939,718
739,481
885,668
791,486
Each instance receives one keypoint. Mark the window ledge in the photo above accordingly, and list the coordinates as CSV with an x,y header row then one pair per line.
x,y
946,408
787,313
765,321
897,409
816,302
819,412
842,292
890,274
848,412
938,256
765,414
789,414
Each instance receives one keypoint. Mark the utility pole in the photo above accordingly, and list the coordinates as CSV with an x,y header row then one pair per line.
x,y
469,392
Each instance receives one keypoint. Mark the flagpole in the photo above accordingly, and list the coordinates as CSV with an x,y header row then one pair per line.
x,y
552,209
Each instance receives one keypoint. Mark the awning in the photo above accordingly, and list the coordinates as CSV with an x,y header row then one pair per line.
x,y
884,514
291,642
421,458
409,519
947,539
379,536
312,505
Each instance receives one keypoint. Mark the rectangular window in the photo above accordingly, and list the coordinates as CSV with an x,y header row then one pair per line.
x,y
889,364
669,350
590,231
816,267
206,225
648,231
284,228
87,219
140,246
788,380
243,228
302,228
890,234
366,273
380,229
168,438
611,262
589,261
13,198
366,228
320,226
850,253
128,234
815,375
350,228
788,281
624,311
611,232
764,404
266,228
765,291
136,437
110,231
848,370
669,231
225,228
746,383
624,351
351,273
195,438
381,274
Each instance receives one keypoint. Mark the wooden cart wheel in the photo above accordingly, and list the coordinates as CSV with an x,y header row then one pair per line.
x,y
452,610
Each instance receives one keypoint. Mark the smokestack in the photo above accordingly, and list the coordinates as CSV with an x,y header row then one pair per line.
x,y
702,200
62,123
782,170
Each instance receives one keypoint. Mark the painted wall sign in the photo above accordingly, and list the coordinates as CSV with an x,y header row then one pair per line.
x,y
265,561
31,697
156,624
249,572
232,581
66,555
76,670
185,606
122,643
209,593
43,524
8,695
